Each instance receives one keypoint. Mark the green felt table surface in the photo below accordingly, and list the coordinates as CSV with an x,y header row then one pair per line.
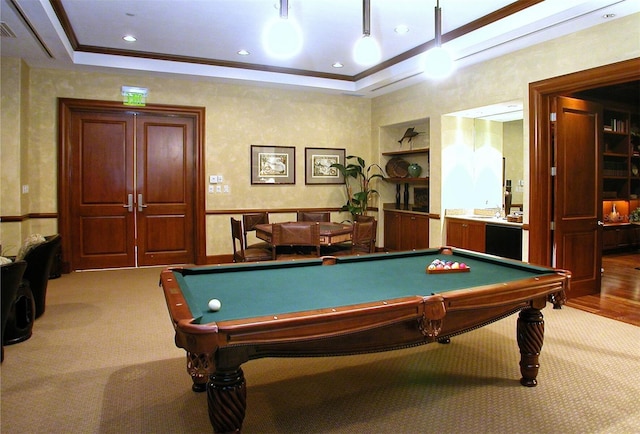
x,y
272,288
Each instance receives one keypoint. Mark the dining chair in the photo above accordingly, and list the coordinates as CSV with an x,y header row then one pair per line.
x,y
364,218
302,237
363,240
240,252
249,222
314,216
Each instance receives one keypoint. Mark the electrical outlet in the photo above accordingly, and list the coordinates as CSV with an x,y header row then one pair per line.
x,y
211,189
226,189
219,178
25,189
218,189
213,179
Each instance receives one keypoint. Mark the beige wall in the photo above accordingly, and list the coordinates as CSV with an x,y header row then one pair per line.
x,y
498,80
238,116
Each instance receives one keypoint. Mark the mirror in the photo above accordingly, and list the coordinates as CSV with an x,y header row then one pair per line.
x,y
482,148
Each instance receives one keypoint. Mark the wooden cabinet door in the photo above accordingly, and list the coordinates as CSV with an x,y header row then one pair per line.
x,y
476,237
391,230
466,235
455,233
415,231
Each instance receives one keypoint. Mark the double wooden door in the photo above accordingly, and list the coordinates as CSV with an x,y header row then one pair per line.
x,y
130,189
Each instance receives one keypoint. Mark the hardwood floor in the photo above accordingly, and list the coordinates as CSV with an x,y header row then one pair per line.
x,y
619,296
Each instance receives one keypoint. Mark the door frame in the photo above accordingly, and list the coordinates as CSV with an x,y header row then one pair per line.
x,y
541,94
67,105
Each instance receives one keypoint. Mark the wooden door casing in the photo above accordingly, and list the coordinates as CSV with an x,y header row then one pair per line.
x,y
167,246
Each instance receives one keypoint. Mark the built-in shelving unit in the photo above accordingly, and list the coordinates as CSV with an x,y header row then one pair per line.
x,y
406,226
620,176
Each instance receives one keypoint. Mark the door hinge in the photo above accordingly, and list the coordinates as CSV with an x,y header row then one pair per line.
x,y
552,117
552,226
554,171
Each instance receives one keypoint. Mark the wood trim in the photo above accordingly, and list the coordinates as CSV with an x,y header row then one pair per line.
x,y
65,108
24,217
541,95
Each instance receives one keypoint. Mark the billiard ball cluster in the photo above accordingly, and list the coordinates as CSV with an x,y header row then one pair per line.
x,y
440,266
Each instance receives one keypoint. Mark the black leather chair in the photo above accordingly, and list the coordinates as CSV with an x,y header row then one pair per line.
x,y
11,277
39,262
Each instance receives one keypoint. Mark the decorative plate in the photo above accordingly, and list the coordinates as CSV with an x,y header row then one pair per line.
x,y
397,168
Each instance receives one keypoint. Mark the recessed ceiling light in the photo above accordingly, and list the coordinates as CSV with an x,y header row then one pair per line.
x,y
401,29
243,52
337,65
129,38
605,16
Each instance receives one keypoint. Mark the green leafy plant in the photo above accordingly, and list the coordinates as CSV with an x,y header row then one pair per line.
x,y
635,215
358,177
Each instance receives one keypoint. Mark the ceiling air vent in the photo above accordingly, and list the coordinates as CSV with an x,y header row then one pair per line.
x,y
5,31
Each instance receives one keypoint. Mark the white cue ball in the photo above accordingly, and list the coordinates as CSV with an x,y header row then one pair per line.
x,y
214,304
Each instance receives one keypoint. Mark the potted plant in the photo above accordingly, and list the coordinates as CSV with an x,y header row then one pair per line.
x,y
634,217
357,177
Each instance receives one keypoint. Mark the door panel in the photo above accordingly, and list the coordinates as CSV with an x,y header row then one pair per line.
x,y
101,179
165,188
577,235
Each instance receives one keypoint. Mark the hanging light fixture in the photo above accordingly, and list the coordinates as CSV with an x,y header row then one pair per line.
x,y
282,37
438,61
366,51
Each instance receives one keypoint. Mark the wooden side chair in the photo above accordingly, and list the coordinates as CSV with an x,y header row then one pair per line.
x,y
303,238
242,254
249,222
363,240
314,216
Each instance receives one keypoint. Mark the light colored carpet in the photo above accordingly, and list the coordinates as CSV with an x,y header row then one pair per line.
x,y
102,360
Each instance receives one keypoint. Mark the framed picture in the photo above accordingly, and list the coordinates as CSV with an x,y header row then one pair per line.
x,y
273,164
318,163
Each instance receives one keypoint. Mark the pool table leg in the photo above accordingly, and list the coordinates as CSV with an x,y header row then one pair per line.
x,y
530,332
199,367
227,400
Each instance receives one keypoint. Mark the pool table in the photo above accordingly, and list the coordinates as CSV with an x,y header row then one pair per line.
x,y
335,306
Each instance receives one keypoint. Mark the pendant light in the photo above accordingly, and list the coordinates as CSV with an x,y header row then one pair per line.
x,y
282,36
438,61
366,51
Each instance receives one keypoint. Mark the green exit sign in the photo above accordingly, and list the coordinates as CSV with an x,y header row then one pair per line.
x,y
134,96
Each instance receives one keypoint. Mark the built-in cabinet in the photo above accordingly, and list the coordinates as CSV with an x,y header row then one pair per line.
x,y
406,219
466,234
405,230
496,238
620,176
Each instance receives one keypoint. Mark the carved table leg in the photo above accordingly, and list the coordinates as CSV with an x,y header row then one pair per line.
x,y
530,339
200,366
227,401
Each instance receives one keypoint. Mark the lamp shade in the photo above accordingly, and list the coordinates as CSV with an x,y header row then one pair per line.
x,y
438,63
282,38
366,51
